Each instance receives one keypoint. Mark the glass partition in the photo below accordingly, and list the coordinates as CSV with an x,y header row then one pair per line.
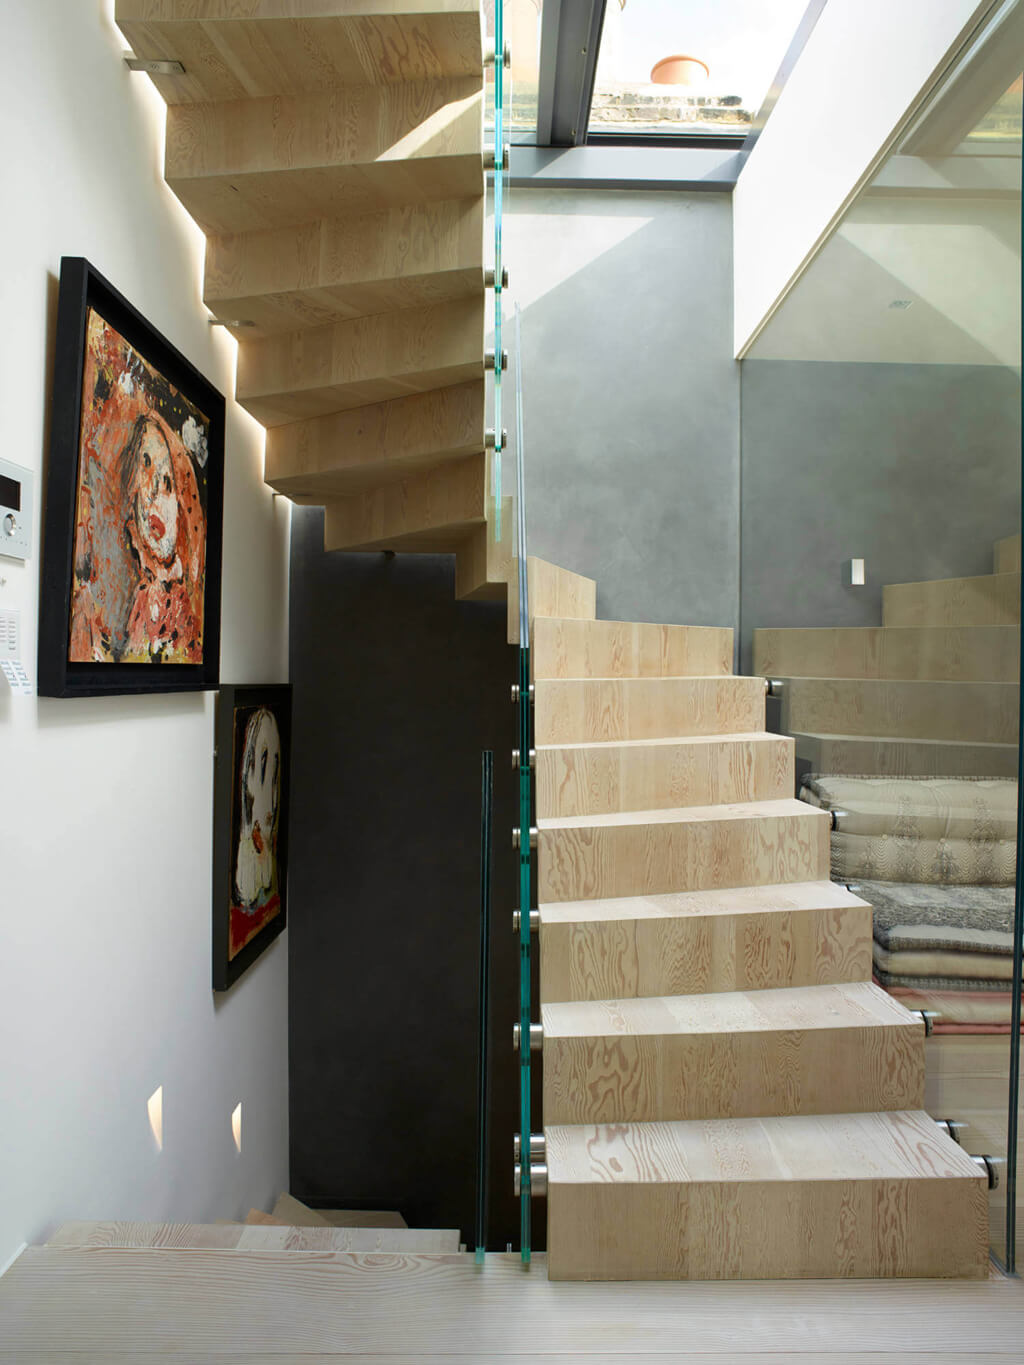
x,y
508,23
881,534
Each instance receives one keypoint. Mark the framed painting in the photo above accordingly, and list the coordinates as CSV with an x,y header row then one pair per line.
x,y
250,833
130,598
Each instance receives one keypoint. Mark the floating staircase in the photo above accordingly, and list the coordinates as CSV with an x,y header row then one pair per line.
x,y
333,153
726,1095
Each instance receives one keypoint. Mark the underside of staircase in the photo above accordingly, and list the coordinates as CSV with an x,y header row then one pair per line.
x,y
726,1095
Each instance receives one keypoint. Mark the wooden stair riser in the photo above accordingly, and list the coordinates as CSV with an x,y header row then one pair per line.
x,y
903,757
597,778
485,561
777,1230
231,55
611,959
247,165
843,1049
627,649
942,653
440,507
585,862
552,591
348,452
978,711
1006,555
570,711
991,600
322,370
314,273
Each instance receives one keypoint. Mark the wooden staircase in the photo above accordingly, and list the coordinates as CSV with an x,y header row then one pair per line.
x,y
725,1094
332,152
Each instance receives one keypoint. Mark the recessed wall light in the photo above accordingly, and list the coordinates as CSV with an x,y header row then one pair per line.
x,y
901,304
155,1109
236,1125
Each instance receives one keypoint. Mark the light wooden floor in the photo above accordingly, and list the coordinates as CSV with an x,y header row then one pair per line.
x,y
227,1307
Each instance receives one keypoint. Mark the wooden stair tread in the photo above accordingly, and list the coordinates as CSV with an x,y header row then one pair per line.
x,y
577,710
248,165
571,648
356,450
779,899
890,756
682,815
952,653
984,600
409,256
702,770
244,1237
858,1004
748,938
918,709
438,507
790,1148
229,53
344,365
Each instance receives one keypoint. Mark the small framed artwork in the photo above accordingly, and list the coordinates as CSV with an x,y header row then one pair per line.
x,y
130,597
250,831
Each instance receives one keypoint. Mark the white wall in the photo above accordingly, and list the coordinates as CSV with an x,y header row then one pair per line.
x,y
866,65
105,804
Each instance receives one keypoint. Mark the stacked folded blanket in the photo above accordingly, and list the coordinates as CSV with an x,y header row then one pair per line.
x,y
936,830
948,949
936,858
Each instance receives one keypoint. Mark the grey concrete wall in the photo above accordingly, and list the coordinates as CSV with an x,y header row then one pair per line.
x,y
913,468
631,396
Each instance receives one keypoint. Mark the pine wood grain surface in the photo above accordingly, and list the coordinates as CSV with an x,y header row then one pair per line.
x,y
575,711
943,653
973,711
811,1050
346,452
311,273
742,938
692,848
628,649
220,1305
274,48
893,757
700,770
989,600
320,370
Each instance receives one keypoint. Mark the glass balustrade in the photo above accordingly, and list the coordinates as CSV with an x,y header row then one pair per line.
x,y
881,531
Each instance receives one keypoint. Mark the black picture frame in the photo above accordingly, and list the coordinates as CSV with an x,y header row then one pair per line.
x,y
83,288
235,706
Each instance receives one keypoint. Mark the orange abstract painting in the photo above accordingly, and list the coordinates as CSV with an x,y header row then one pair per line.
x,y
140,529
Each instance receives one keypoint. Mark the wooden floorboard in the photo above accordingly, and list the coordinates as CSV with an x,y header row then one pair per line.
x,y
230,1306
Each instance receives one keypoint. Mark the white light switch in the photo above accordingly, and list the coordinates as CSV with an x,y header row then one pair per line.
x,y
853,573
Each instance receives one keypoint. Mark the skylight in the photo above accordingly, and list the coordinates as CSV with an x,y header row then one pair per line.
x,y
689,67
